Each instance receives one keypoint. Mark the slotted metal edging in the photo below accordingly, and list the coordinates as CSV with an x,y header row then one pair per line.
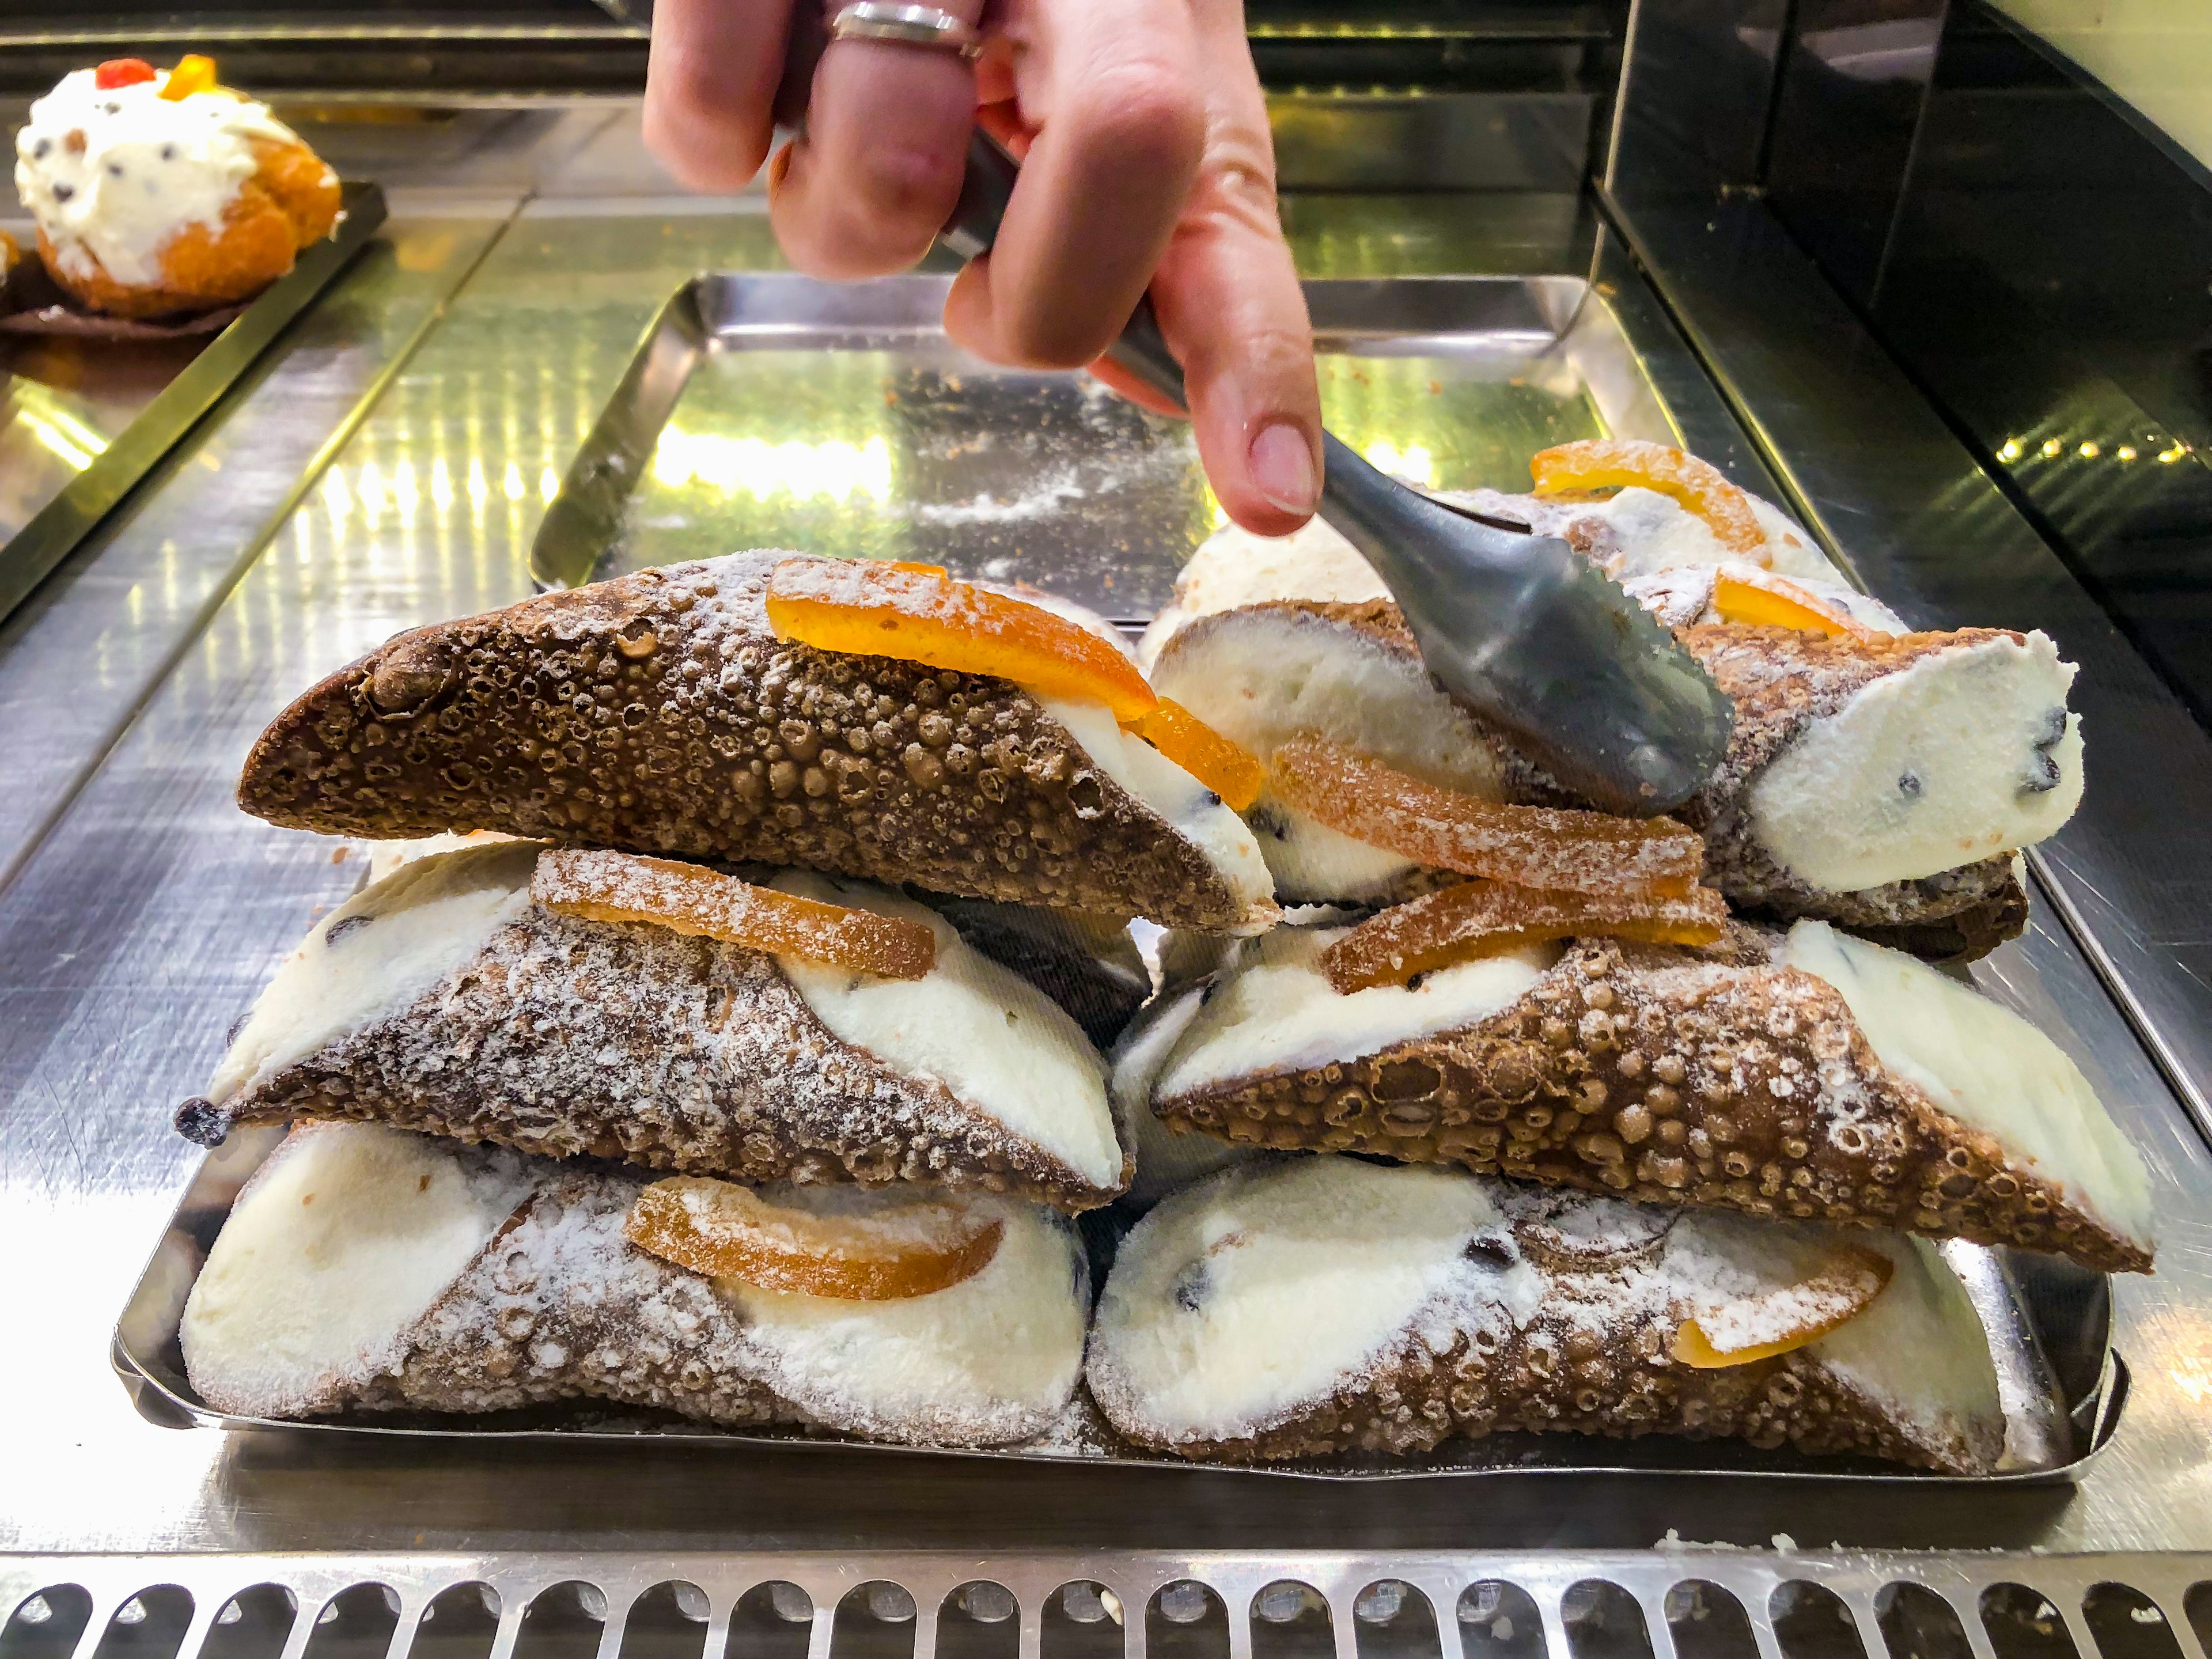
x,y
1752,1576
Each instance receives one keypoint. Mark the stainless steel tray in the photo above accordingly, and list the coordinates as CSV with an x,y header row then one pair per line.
x,y
85,420
767,410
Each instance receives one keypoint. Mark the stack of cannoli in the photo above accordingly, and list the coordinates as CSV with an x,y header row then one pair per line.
x,y
723,1035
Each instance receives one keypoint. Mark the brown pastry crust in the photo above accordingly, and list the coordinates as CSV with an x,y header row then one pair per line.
x,y
290,201
1549,1377
1780,680
656,713
1673,1076
570,1038
513,1329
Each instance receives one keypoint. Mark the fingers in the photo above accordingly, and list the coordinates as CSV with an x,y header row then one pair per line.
x,y
710,82
863,190
1228,303
1121,113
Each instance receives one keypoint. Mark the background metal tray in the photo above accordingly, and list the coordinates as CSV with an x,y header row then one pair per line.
x,y
85,420
772,411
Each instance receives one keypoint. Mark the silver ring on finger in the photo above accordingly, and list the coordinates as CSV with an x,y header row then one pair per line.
x,y
906,26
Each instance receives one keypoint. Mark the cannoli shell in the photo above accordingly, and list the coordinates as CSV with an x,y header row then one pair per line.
x,y
656,713
568,1038
1622,1388
1670,1077
558,1306
1779,681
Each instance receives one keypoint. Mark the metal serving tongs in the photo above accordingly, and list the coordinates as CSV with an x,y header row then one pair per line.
x,y
1517,627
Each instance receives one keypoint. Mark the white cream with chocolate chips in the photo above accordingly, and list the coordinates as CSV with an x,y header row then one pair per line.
x,y
376,953
987,1035
1272,1009
1959,755
341,1240
1188,807
1266,675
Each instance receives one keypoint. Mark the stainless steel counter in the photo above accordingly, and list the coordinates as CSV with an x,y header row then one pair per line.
x,y
388,468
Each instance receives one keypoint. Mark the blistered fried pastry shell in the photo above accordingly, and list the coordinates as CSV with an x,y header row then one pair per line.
x,y
363,1268
444,999
1323,1306
1816,1077
658,712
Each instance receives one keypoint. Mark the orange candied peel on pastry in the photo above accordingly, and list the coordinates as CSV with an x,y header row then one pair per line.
x,y
1212,759
1528,846
918,614
890,1253
1773,602
605,886
1485,918
193,73
1617,463
1737,1331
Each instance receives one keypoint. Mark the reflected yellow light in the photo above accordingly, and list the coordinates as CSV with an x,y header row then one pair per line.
x,y
479,492
2089,452
441,485
52,438
405,494
2011,450
510,484
548,486
1413,462
2051,448
2126,451
756,467
335,496
58,431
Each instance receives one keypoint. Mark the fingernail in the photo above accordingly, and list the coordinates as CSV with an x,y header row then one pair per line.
x,y
1283,467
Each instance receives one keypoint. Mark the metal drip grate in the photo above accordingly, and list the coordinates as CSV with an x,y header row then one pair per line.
x,y
1660,1605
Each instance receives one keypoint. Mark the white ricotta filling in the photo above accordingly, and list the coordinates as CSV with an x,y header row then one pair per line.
x,y
1918,1351
1191,809
1166,1161
1002,1047
335,1248
1989,1068
1233,568
1273,1009
141,169
1237,1302
1313,864
1968,752
376,953
992,1358
1259,678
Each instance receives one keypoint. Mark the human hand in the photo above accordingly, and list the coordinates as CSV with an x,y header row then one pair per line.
x,y
1146,163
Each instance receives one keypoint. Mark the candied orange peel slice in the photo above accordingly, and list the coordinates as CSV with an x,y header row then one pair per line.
x,y
919,615
1738,1334
604,886
1528,846
1699,486
1191,744
193,73
891,1255
1775,603
1486,919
